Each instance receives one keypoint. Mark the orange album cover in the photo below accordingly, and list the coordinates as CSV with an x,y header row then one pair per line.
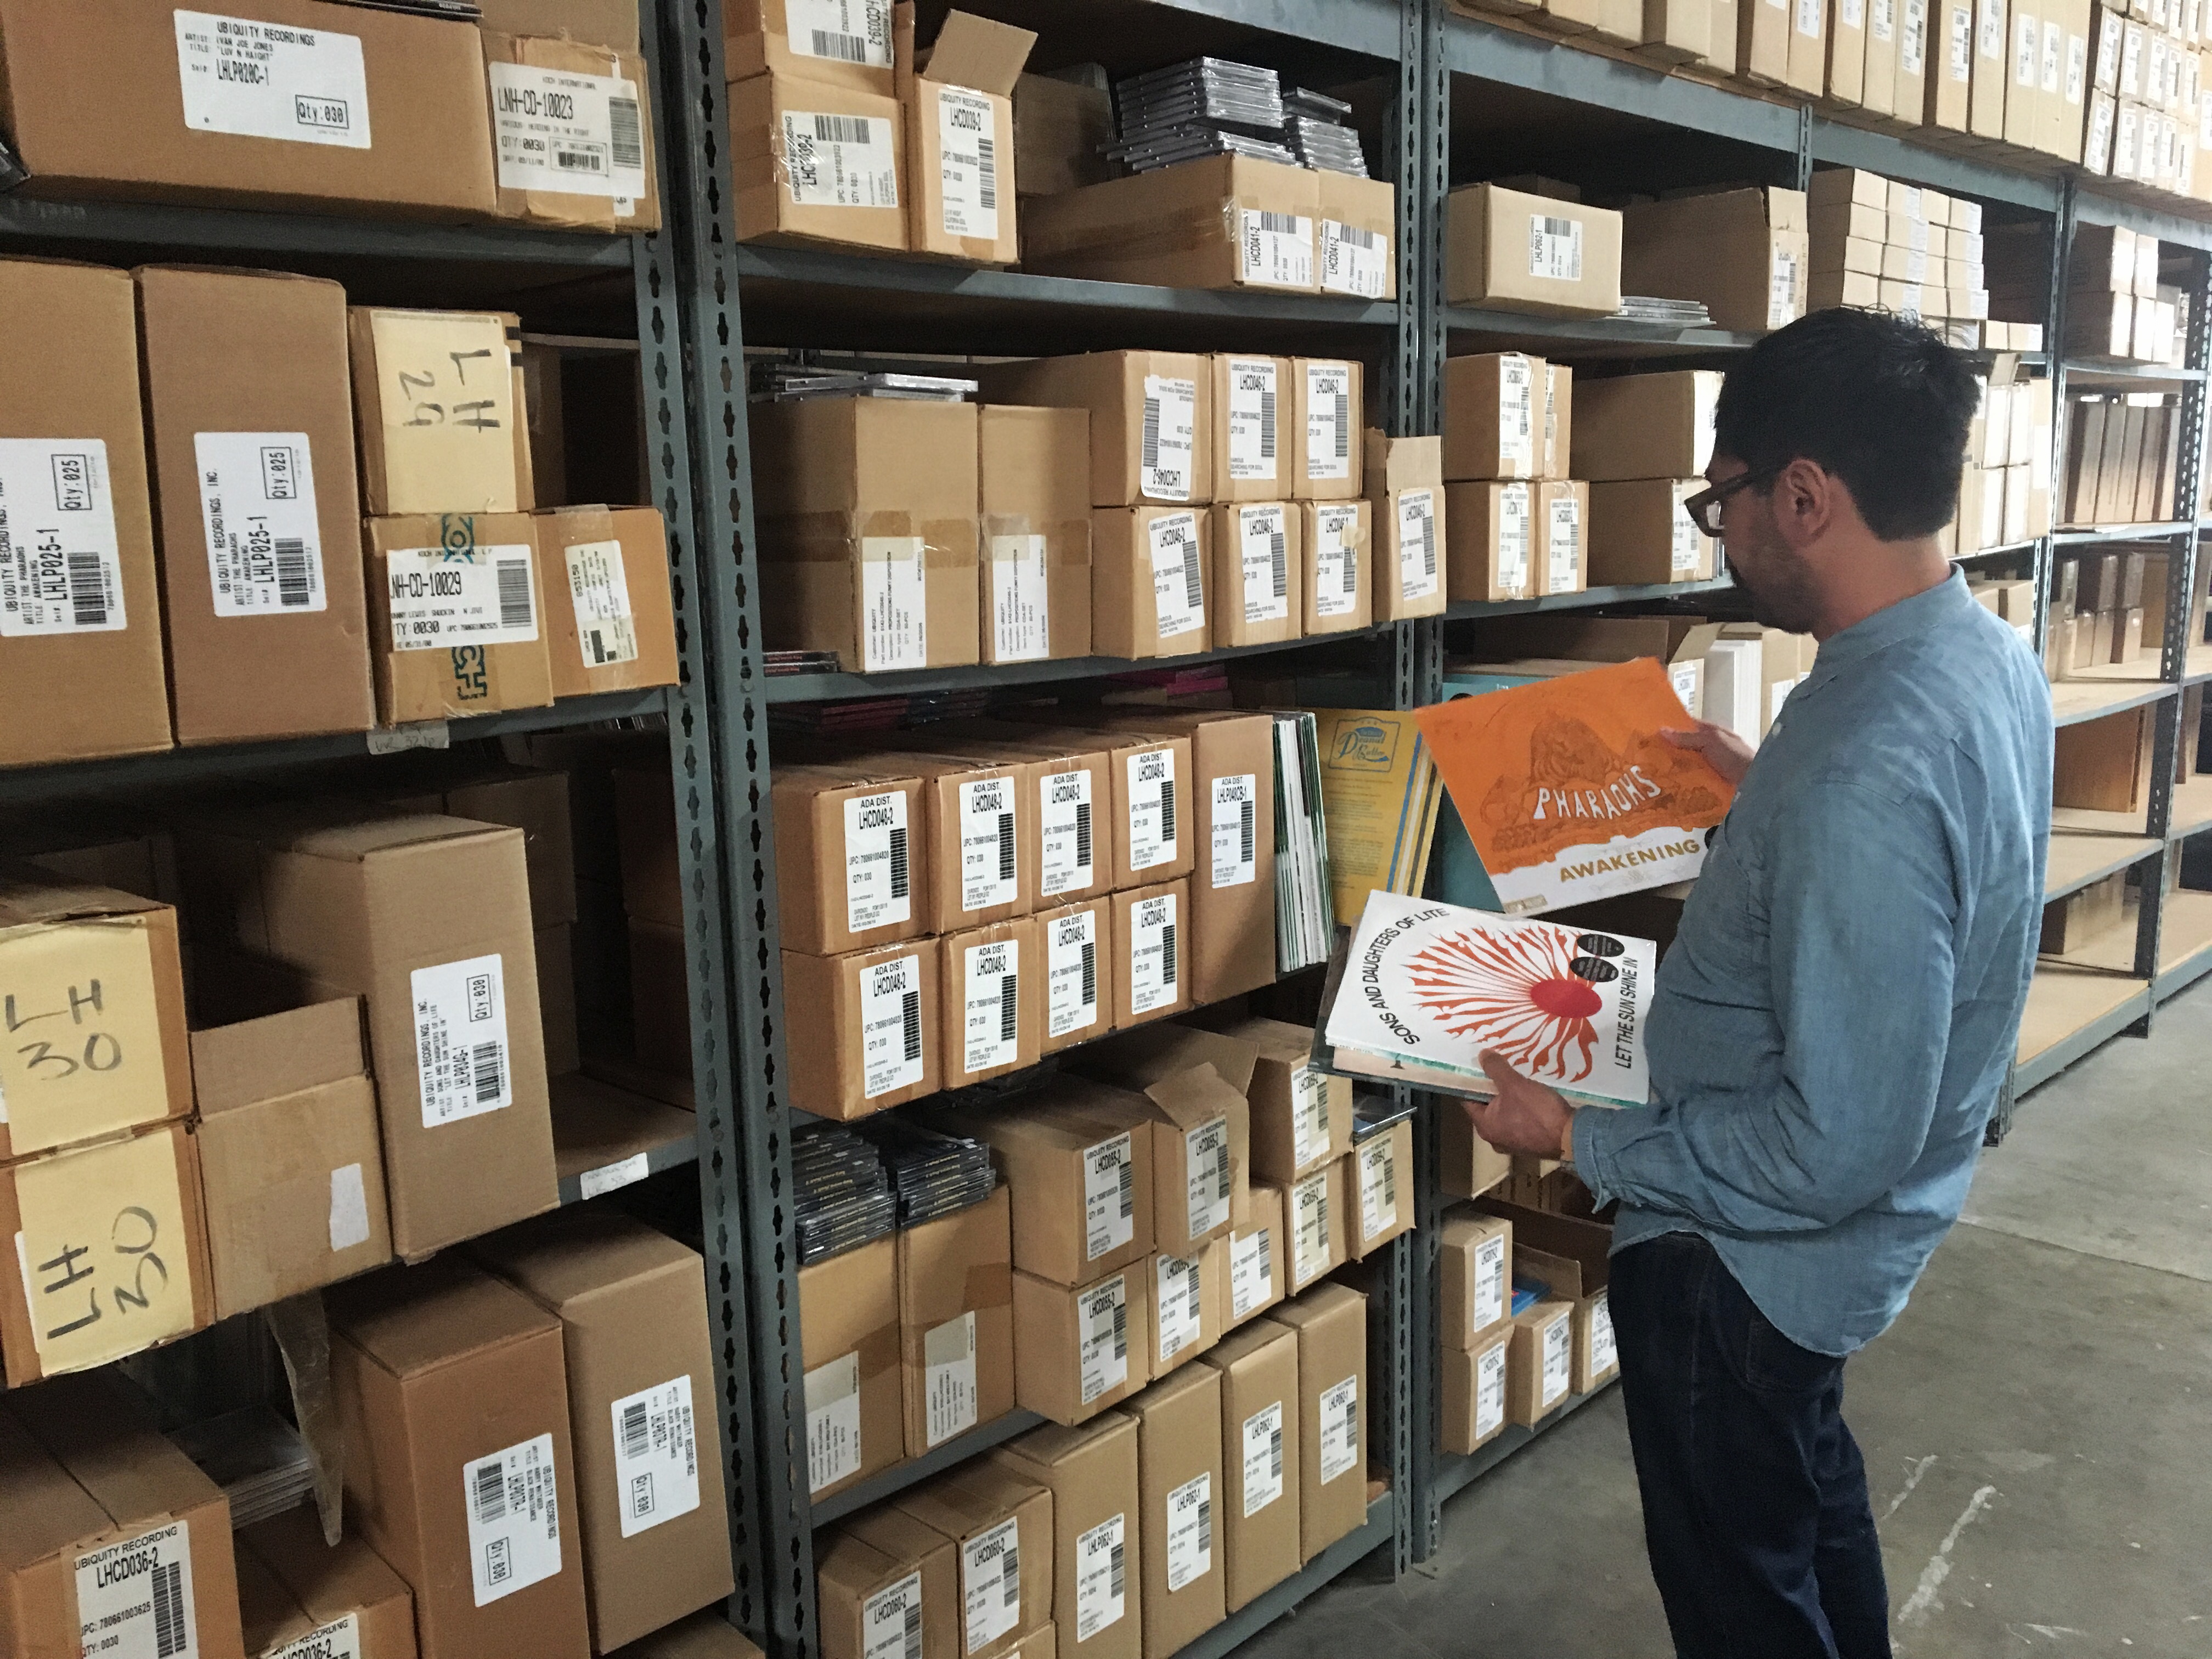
x,y
1568,791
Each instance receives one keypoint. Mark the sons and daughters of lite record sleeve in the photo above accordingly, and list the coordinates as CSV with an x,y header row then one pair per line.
x,y
1426,987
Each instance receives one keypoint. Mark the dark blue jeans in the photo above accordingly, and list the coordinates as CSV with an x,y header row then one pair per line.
x,y
1755,1509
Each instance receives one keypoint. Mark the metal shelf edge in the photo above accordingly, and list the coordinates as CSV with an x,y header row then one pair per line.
x,y
1899,156
1331,1564
1457,1471
2039,1069
2144,691
1595,330
2126,861
1371,28
915,1470
1588,599
2162,531
2184,974
669,1155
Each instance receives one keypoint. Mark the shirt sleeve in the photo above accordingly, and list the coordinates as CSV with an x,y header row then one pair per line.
x,y
1862,904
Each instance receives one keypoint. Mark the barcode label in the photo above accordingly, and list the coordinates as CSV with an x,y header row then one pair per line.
x,y
1378,1188
1340,1429
1355,260
257,508
1102,1337
1558,1360
987,865
1329,420
1490,1391
171,1637
1236,842
1276,250
1262,1458
514,1519
1168,444
833,1422
968,167
1516,416
1152,969
1250,419
491,1494
890,1026
1263,552
991,1005
1099,1583
1555,248
1417,543
1178,591
489,1066
1206,1176
991,1583
60,571
1488,1290
569,133
842,129
1311,1254
1190,1531
1064,802
877,882
1071,973
1150,797
1021,602
1309,1134
839,160
1339,537
443,597
1177,1306
890,1621
1564,544
461,1039
842,31
656,1455
1109,1197
845,48
1251,1274
135,1598
949,1395
632,1432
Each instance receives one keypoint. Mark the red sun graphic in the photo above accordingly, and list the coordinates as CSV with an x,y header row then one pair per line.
x,y
1516,991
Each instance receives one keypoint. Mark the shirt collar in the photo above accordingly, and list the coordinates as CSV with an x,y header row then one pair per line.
x,y
1916,615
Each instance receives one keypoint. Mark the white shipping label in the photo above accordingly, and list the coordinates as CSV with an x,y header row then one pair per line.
x,y
1515,535
1264,551
1236,828
1354,261
991,1582
1605,1348
1378,1188
348,1216
1782,289
1704,401
1884,24
599,593
1417,543
1558,1360
1688,550
1912,45
514,1519
1310,1241
1251,1273
613,1177
568,133
1071,969
833,1422
60,568
1190,1531
1809,13
1253,392
842,31
1853,13
1989,29
1151,800
839,160
1516,415
1329,436
991,1033
1489,1288
1490,1391
1178,1307
444,597
1340,1429
1101,1339
258,505
1277,249
1564,545
134,1599
879,879
2054,52
1178,586
890,1621
1109,1200
339,1639
1021,612
1100,1577
1167,444
989,866
948,1361
1336,561
263,79
1263,1459
890,1026
967,163
1064,806
656,1456
2025,37
460,1039
894,613
1155,974
1206,1175
1310,1141
1555,247
1961,37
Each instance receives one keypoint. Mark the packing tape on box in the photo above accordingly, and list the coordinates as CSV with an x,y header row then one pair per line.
x,y
1180,232
836,538
1066,541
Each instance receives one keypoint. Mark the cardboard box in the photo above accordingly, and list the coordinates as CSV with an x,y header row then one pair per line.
x,y
1466,1164
956,1321
1406,503
1190,1304
451,1395
1381,1181
1327,405
817,163
1830,289
439,421
456,620
660,1010
1745,252
290,1157
1491,425
76,486
1070,774
1474,1392
605,22
1078,1351
1148,582
1540,1364
1001,1524
1763,42
1638,532
295,1590
1060,130
2023,116
1336,540
1517,252
1075,943
1332,1326
2071,923
842,44
1687,32
1150,968
527,799
1252,424
1558,399
1489,540
1259,573
250,419
848,1323
992,999
97,1498
610,617
1301,1119
1179,1479
1257,1267
705,1635
1151,418
868,530
1572,1256
1258,1494
886,1578
644,1417
1223,221
1200,1128
1358,223
1562,509
1845,79
1318,1228
959,112
1091,1472
878,1010
1646,426
1035,548
980,866
380,116
1878,93
1476,1253
1992,70
851,839
572,133
1910,88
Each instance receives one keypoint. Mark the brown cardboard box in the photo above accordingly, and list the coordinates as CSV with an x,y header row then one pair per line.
x,y
524,798
1646,426
455,617
1201,1154
1036,550
76,482
1150,967
1358,223
660,1009
1540,1365
848,1323
1562,509
1326,408
1492,424
1477,1286
1381,1181
451,1397
111,1241
1846,75
1319,1230
850,838
1638,532
1075,944
1256,1267
817,163
1252,426
705,1635
1474,1392
295,1590
959,112
868,530
878,1012
609,617
1878,92
1258,573
1763,42
1151,418
1301,1118
435,400
991,993
1744,252
1332,1326
2023,114
982,864
1337,541
1910,96
103,1509
1686,32
1179,1482
2080,917
1079,1350
1223,222
759,35
1258,1494
572,133
1517,252
250,419
1467,1164
957,1322
391,125
1489,533
1992,70
1060,130
1190,1304
1001,1525
1406,501
1572,1256
643,1416
1091,1472
886,1578
1950,69
290,1158
1148,582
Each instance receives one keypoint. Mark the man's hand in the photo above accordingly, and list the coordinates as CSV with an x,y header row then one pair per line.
x,y
1524,1116
1725,752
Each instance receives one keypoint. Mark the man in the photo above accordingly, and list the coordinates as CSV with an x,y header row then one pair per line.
x,y
1832,1026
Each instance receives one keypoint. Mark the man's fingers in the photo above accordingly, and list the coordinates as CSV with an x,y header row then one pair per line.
x,y
1499,1068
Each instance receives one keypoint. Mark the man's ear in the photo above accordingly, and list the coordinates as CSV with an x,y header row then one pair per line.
x,y
1809,500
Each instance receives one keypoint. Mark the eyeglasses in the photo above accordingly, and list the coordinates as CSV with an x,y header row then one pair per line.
x,y
1704,508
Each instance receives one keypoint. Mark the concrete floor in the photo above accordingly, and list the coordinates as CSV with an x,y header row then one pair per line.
x,y
2038,1426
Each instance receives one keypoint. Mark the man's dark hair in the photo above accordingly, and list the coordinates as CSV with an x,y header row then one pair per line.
x,y
1880,402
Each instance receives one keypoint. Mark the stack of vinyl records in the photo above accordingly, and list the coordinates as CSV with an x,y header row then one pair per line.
x,y
933,1174
1677,313
789,382
1317,128
1305,922
255,1456
844,1195
1206,106
1372,1113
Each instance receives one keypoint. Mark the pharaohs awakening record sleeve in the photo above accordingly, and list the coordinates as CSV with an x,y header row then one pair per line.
x,y
1424,988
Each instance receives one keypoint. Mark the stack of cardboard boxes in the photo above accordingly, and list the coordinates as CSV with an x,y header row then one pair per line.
x,y
2122,458
1881,243
1515,522
1643,443
2147,111
2004,491
2098,609
2117,309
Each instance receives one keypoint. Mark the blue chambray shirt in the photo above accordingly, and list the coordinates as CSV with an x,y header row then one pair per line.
x,y
1829,1031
